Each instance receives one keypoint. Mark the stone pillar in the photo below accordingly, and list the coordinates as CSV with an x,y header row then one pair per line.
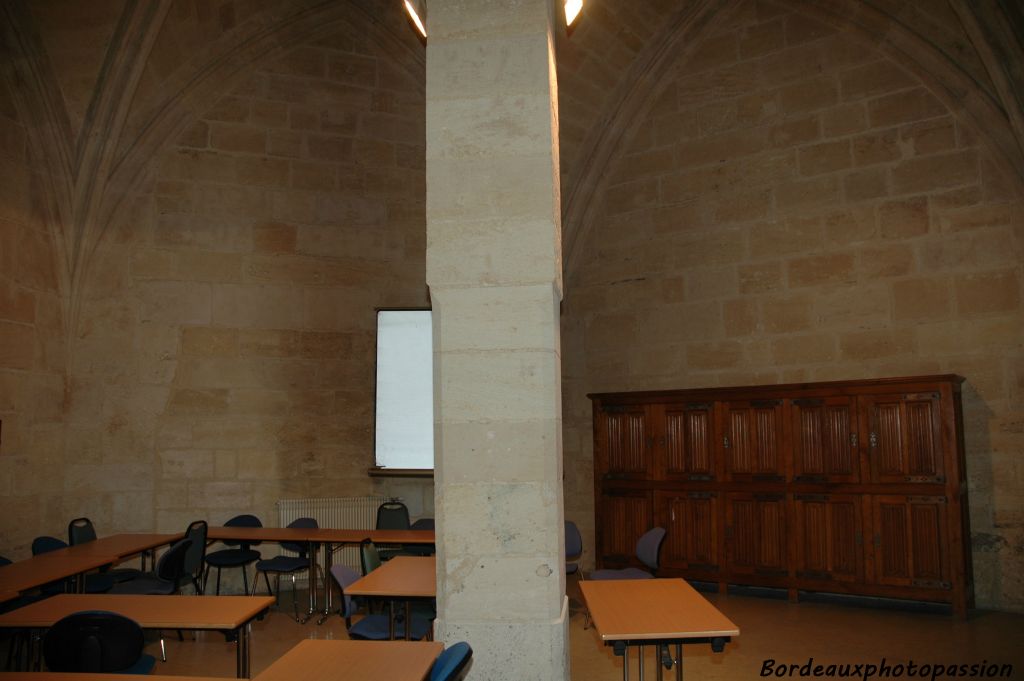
x,y
494,271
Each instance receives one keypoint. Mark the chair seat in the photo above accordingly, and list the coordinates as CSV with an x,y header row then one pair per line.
x,y
625,573
232,557
147,584
375,628
123,574
283,564
143,666
98,583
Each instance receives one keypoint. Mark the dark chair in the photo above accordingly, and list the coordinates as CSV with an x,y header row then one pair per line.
x,y
165,580
392,515
648,550
421,549
95,583
234,557
573,547
369,558
451,663
80,531
98,642
195,556
288,565
373,627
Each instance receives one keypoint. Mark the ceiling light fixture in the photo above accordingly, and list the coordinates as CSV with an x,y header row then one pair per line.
x,y
417,10
572,10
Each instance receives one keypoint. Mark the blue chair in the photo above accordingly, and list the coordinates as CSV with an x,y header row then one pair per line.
x,y
573,547
648,551
80,531
421,549
238,557
95,583
451,663
96,641
165,580
288,565
392,515
374,627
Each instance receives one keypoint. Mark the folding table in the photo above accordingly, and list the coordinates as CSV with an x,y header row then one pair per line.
x,y
316,660
222,613
659,612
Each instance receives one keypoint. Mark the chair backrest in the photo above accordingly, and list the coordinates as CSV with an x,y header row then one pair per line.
x,y
294,547
344,576
196,532
452,661
368,556
5,560
648,547
93,641
243,520
392,515
80,531
423,524
171,565
573,545
45,544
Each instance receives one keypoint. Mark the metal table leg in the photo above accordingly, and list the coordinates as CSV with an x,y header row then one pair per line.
x,y
243,657
328,564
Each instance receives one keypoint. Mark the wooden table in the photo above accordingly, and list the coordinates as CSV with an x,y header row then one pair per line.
x,y
314,537
75,561
222,613
316,660
659,612
76,676
401,578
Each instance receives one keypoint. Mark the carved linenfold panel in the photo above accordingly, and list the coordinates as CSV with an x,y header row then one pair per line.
x,y
627,449
852,486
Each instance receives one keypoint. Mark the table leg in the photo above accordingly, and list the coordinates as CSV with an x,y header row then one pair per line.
x,y
679,662
391,621
312,583
242,652
328,592
640,671
625,663
408,620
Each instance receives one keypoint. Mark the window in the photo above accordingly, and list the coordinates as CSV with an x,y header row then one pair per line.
x,y
404,430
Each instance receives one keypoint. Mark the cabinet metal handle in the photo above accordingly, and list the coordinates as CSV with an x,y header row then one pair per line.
x,y
725,441
853,440
873,439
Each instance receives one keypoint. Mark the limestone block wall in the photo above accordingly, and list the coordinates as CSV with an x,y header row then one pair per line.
x,y
794,205
31,342
221,355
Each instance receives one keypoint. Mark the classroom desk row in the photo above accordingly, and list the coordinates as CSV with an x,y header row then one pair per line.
x,y
309,660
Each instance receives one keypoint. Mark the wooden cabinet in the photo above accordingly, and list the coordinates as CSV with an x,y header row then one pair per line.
x,y
855,487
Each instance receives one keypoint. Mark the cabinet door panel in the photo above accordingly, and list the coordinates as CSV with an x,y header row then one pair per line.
x,y
691,519
753,440
911,541
689,444
626,452
756,533
904,441
623,515
829,537
825,441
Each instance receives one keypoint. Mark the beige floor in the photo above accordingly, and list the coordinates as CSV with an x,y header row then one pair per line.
x,y
770,629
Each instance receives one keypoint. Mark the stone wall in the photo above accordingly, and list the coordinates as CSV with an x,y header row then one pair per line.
x,y
796,206
223,352
31,346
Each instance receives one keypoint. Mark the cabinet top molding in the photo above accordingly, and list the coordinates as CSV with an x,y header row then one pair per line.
x,y
860,386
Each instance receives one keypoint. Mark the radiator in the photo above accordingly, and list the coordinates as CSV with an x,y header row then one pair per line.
x,y
345,513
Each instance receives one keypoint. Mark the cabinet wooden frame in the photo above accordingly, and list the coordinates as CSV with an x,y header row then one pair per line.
x,y
853,487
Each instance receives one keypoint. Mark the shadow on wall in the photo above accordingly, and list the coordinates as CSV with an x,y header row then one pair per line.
x,y
986,545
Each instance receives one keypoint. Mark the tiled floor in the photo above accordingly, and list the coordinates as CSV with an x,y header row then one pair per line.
x,y
770,629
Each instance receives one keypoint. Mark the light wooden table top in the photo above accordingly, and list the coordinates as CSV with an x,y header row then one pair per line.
x,y
639,609
62,563
151,612
315,660
320,535
400,577
76,676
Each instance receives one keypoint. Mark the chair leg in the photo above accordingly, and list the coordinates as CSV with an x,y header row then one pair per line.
x,y
163,648
245,580
218,580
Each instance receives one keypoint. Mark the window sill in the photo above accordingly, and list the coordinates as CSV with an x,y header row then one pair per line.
x,y
377,472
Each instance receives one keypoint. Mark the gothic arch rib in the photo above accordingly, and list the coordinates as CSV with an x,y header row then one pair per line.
x,y
266,38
